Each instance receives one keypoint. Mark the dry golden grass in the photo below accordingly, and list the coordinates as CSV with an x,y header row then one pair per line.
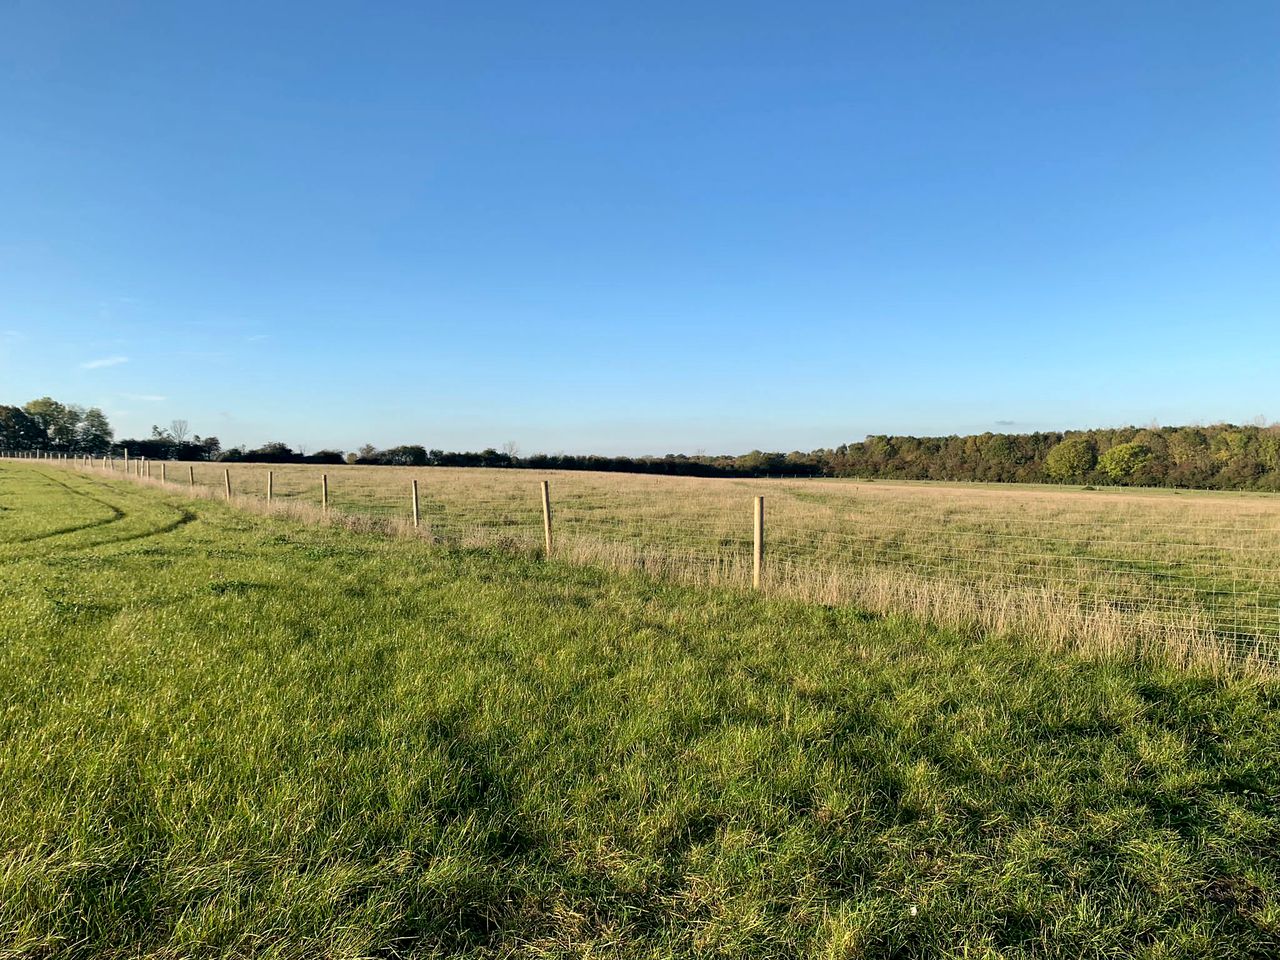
x,y
1191,574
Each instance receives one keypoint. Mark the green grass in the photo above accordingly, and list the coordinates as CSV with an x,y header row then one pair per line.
x,y
1196,571
229,735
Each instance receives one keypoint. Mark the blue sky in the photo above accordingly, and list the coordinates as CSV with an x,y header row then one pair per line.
x,y
640,228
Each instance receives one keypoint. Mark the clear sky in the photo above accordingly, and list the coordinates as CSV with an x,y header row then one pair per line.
x,y
640,228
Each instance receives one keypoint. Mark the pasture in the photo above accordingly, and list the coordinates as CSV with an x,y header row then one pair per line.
x,y
1192,574
225,733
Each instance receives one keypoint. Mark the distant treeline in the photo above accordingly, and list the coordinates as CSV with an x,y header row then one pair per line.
x,y
48,425
751,465
1224,456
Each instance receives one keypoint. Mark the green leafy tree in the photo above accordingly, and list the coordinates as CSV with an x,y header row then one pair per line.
x,y
46,411
759,462
94,434
410,455
880,450
1269,448
1071,460
60,421
1000,449
1125,462
1189,447
21,431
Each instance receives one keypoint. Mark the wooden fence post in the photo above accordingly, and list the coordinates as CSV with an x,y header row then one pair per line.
x,y
191,475
226,479
270,484
757,554
324,492
546,516
164,472
415,502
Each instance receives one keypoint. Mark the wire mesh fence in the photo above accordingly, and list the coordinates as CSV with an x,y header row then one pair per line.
x,y
1107,568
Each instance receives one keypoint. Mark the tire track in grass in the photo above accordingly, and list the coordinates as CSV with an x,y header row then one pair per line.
x,y
116,514
184,516
61,512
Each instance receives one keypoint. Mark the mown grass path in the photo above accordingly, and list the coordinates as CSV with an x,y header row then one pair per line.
x,y
228,735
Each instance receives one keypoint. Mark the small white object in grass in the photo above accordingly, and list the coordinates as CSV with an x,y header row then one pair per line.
x,y
914,911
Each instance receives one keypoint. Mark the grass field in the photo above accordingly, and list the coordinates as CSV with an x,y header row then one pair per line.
x,y
226,734
1192,573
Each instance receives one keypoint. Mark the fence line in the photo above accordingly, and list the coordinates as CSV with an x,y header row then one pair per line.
x,y
1194,571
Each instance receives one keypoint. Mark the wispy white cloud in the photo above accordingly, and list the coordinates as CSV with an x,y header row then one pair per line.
x,y
103,362
257,338
145,397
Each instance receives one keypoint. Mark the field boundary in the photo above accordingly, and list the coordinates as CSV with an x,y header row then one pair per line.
x,y
1167,589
